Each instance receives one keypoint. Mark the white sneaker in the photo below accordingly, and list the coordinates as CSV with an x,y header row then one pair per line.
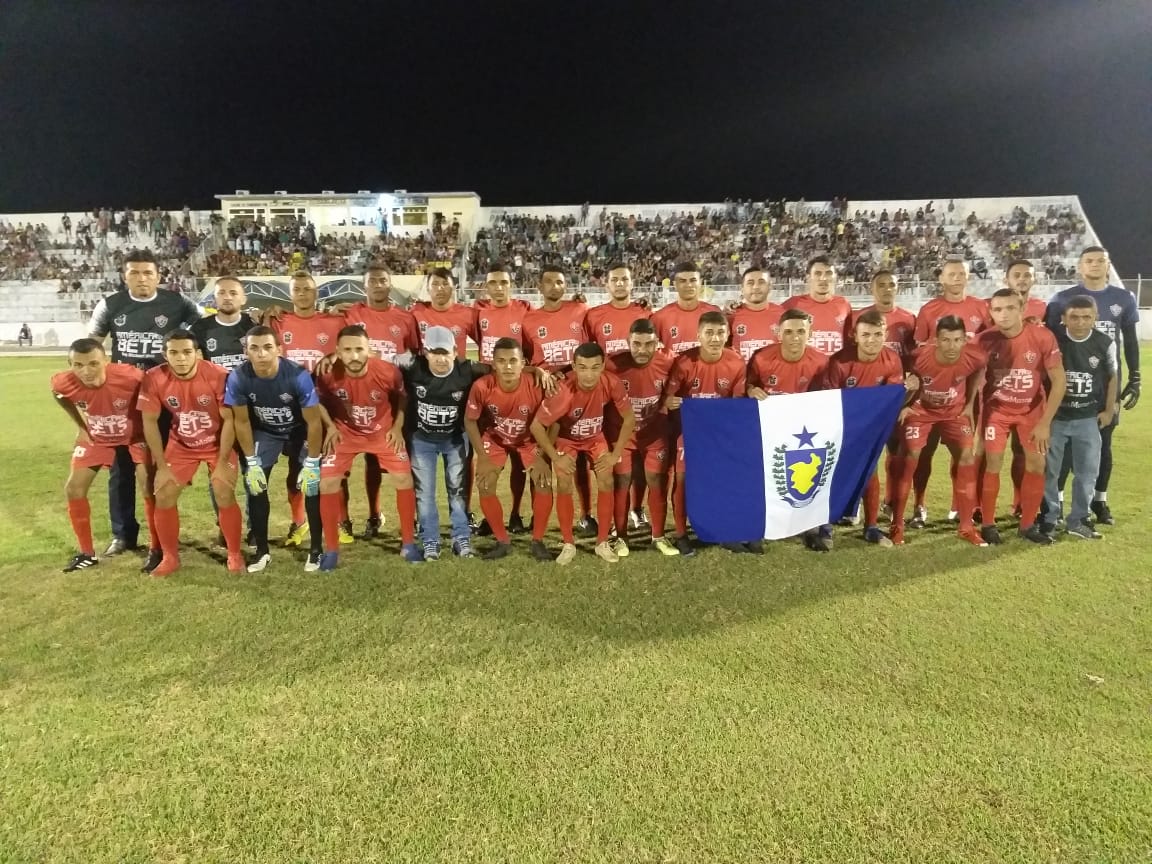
x,y
604,552
568,553
262,562
620,548
313,563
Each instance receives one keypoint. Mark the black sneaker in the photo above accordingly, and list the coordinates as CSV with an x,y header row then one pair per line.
x,y
816,542
754,547
371,528
540,552
736,548
516,524
1048,528
1084,531
500,550
1103,514
588,526
1035,535
155,556
116,547
683,546
472,523
990,534
81,561
483,529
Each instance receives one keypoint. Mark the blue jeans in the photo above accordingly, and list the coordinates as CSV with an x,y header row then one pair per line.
x,y
1081,438
425,454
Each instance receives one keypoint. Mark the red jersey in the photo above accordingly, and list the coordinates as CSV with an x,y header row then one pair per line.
x,y
580,413
769,371
829,321
490,323
501,416
457,318
846,369
678,328
194,403
944,388
1015,382
753,329
307,340
552,337
899,329
1034,309
645,388
608,326
973,311
362,407
694,378
391,331
110,411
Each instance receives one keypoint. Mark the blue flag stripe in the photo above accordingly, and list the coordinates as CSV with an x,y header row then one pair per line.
x,y
869,415
724,463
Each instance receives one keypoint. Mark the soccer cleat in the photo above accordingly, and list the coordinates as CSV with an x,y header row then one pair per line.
x,y
886,511
664,547
500,550
1048,528
81,561
483,529
588,526
328,562
815,542
873,534
850,520
734,548
155,556
371,528
412,553
236,564
977,516
166,567
683,545
990,534
516,524
540,552
116,547
620,547
568,554
1103,514
825,532
472,523
260,563
974,537
919,518
1083,531
462,548
313,563
1035,535
754,547
603,551
637,518
953,516
297,534
431,550
346,535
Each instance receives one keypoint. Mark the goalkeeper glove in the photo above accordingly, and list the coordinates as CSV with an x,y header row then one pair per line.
x,y
255,479
308,480
1131,394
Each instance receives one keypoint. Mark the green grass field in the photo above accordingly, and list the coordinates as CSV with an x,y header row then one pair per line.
x,y
932,703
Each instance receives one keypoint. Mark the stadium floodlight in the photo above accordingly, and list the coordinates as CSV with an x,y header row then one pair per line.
x,y
243,192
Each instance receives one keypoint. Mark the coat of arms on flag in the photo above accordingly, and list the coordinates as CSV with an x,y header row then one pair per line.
x,y
802,471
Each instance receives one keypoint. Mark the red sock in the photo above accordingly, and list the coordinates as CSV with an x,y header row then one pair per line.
x,y
902,490
541,510
605,505
296,502
620,510
168,529
872,501
639,486
1018,483
1031,494
406,510
517,481
330,516
150,518
965,494
988,496
679,506
80,513
893,468
232,524
373,480
565,515
494,513
657,509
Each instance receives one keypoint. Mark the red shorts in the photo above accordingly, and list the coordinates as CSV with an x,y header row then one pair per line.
x,y
654,455
955,432
184,462
339,463
103,455
593,448
499,452
998,429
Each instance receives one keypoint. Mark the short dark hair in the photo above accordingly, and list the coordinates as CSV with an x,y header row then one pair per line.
x,y
1080,301
140,256
1002,293
643,325
1018,262
180,335
1088,249
441,272
950,323
753,269
227,277
617,265
302,274
711,318
498,267
352,330
795,315
686,267
553,268
883,271
86,346
588,351
377,267
263,330
819,259
871,317
507,343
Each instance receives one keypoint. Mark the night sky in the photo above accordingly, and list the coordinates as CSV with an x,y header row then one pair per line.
x,y
141,103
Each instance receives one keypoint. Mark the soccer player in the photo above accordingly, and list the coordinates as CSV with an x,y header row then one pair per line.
x,y
221,336
497,419
275,410
828,312
790,366
391,331
644,370
137,320
577,412
754,322
365,398
106,393
1117,317
950,374
1020,277
443,310
192,391
607,324
1020,357
710,371
867,362
678,323
1089,405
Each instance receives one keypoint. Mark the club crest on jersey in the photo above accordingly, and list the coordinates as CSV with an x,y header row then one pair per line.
x,y
204,399
515,328
341,393
1030,356
161,320
674,331
1093,362
524,409
173,402
83,406
457,395
542,332
975,320
723,383
211,344
1115,309
375,395
322,338
495,409
574,326
421,391
926,380
606,329
850,381
627,384
121,404
800,472
285,398
840,319
741,329
773,381
577,412
395,331
120,320
286,337
483,323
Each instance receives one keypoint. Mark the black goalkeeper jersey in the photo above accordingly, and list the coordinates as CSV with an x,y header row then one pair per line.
x,y
138,327
223,344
